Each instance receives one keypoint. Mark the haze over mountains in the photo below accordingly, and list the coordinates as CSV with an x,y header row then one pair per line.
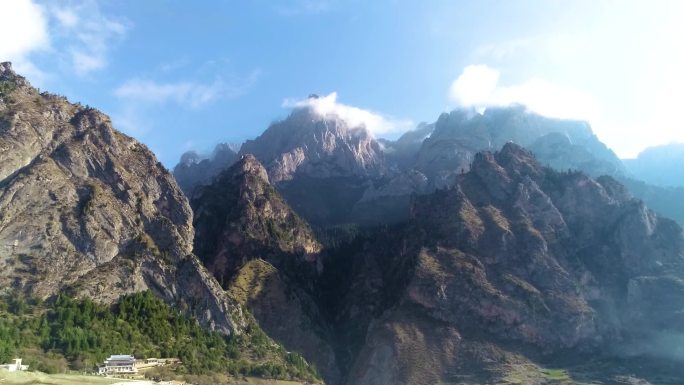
x,y
482,248
370,180
659,165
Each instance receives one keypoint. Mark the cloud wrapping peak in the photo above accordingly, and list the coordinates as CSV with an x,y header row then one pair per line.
x,y
478,86
327,106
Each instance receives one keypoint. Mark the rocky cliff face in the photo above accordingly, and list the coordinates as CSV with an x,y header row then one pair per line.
x,y
193,171
518,262
513,266
563,144
241,216
401,153
320,164
266,256
316,146
88,209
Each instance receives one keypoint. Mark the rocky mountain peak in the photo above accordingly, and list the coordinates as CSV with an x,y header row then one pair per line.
x,y
195,170
248,164
240,217
518,160
559,143
309,144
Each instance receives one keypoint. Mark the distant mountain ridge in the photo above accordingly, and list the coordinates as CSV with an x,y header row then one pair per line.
x,y
369,181
193,170
660,165
462,133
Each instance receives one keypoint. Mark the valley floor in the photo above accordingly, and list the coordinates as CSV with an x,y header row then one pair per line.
x,y
37,378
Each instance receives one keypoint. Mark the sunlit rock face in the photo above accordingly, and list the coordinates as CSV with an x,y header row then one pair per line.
x,y
518,262
87,209
562,144
312,145
332,172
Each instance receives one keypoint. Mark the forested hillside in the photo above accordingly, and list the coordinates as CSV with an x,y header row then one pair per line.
x,y
79,333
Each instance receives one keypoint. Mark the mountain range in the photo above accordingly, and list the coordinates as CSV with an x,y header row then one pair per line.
x,y
485,248
333,174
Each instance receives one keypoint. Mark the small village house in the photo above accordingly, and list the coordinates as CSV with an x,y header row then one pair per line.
x,y
118,364
14,366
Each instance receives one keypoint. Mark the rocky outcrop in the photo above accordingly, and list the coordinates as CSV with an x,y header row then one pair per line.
x,y
193,170
666,201
88,209
562,144
320,164
241,216
312,145
518,262
265,256
401,153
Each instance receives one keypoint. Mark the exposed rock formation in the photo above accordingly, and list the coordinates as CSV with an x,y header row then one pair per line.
x,y
265,256
563,144
193,171
401,153
518,262
86,208
316,146
240,216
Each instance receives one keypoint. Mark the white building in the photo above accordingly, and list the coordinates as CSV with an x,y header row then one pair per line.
x,y
14,366
118,364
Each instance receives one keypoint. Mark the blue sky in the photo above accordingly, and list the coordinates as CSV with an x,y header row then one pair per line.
x,y
182,75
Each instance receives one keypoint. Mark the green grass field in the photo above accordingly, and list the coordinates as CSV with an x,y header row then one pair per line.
x,y
36,378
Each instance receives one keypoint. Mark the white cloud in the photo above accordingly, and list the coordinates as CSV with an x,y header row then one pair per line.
x,y
182,93
140,99
475,86
478,86
66,17
304,7
374,122
23,30
508,48
86,35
